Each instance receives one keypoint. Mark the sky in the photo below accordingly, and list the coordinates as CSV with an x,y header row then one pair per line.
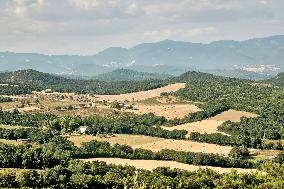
x,y
85,27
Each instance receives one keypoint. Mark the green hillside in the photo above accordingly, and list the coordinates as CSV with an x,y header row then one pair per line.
x,y
31,80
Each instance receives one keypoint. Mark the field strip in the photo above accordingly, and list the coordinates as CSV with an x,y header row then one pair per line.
x,y
153,164
170,111
186,146
123,139
142,95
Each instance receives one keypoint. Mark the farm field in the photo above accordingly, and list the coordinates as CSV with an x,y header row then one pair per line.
x,y
170,111
130,140
186,146
154,144
211,125
142,95
204,126
153,164
233,115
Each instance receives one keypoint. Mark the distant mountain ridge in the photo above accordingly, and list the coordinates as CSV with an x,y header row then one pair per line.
x,y
172,57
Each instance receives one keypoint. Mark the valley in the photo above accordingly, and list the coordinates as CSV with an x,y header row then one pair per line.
x,y
193,122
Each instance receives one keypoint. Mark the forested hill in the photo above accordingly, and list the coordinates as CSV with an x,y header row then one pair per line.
x,y
31,76
219,93
129,75
277,80
31,80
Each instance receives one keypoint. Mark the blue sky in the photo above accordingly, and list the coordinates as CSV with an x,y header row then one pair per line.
x,y
89,26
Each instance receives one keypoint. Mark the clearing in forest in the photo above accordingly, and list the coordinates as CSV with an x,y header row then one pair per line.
x,y
153,164
142,95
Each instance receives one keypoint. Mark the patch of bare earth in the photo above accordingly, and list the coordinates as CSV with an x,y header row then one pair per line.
x,y
186,146
168,111
142,95
153,164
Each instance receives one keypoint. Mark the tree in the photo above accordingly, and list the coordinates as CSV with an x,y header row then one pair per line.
x,y
239,152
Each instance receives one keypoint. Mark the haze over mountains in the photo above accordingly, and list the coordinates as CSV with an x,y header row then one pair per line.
x,y
171,57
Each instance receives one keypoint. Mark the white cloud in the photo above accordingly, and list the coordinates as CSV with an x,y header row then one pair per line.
x,y
97,24
132,8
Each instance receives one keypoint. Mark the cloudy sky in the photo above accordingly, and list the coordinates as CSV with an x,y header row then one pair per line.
x,y
88,26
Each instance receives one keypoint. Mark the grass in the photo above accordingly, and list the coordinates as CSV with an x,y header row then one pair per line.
x,y
150,101
12,127
13,142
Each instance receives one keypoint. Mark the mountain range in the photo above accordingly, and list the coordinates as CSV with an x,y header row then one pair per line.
x,y
170,57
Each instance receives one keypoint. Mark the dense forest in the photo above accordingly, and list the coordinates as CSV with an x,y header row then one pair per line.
x,y
26,81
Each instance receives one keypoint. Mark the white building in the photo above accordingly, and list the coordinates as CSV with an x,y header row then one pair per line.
x,y
84,129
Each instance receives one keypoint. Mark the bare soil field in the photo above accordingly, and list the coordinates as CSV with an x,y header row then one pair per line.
x,y
204,126
233,115
129,140
186,146
142,95
168,111
153,164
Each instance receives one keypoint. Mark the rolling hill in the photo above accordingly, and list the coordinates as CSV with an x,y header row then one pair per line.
x,y
26,81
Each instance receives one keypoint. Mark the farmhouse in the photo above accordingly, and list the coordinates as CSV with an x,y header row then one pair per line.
x,y
84,129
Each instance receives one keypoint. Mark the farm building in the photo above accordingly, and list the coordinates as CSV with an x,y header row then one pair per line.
x,y
84,129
